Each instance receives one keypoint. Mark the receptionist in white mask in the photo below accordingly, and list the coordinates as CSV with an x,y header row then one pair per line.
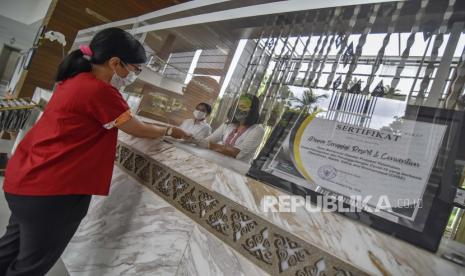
x,y
241,137
197,126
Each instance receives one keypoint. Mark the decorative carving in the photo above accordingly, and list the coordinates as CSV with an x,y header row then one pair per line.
x,y
274,250
129,162
206,203
241,224
259,246
144,174
188,201
179,186
139,162
289,253
157,173
317,269
124,154
219,220
341,272
164,184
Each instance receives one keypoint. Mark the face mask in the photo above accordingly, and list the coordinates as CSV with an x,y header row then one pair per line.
x,y
199,115
119,82
240,115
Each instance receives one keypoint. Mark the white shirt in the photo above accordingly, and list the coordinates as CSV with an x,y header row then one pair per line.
x,y
247,143
199,130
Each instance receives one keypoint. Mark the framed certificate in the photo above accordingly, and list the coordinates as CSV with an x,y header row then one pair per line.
x,y
392,168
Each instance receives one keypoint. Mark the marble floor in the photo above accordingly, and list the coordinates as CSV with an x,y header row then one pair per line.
x,y
135,232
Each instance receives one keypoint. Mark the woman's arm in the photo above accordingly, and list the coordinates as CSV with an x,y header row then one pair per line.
x,y
212,143
139,129
250,144
226,150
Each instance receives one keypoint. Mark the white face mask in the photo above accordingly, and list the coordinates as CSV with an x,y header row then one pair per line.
x,y
119,82
199,115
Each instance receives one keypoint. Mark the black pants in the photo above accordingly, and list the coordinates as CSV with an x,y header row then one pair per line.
x,y
38,232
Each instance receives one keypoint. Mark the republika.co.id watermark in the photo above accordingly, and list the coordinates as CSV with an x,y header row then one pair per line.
x,y
291,203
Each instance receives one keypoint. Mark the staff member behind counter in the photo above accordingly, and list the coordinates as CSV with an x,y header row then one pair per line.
x,y
240,138
197,126
68,155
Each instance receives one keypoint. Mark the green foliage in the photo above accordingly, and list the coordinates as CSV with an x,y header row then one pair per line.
x,y
275,114
261,90
390,92
309,98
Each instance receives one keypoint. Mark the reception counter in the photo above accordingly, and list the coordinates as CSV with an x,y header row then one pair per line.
x,y
178,210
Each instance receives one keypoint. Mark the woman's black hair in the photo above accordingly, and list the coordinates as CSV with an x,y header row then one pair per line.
x,y
107,43
254,113
207,107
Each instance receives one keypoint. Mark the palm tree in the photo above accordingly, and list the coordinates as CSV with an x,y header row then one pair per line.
x,y
390,93
308,99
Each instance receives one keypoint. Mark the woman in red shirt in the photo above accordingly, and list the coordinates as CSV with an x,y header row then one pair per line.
x,y
69,153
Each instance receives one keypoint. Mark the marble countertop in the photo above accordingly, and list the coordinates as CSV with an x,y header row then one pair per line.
x,y
229,162
353,242
212,156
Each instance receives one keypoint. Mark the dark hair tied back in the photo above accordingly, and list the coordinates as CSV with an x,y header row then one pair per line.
x,y
107,43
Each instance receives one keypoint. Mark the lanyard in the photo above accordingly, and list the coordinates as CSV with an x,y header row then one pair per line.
x,y
234,135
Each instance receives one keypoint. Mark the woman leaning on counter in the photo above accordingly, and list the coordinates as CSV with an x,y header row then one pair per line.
x,y
68,155
240,138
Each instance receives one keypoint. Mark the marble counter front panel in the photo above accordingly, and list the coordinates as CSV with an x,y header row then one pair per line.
x,y
135,232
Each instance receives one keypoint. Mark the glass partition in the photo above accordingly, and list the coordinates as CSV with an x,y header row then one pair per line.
x,y
361,103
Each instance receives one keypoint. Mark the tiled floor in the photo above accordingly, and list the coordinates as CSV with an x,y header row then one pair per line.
x,y
59,268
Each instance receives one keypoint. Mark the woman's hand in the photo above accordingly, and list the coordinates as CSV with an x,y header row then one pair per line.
x,y
189,139
178,133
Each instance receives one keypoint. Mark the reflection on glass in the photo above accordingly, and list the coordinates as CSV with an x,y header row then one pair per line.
x,y
393,67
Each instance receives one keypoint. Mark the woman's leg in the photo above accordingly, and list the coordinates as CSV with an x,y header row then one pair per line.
x,y
9,245
46,224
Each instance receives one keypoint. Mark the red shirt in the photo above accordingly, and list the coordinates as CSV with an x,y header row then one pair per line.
x,y
71,149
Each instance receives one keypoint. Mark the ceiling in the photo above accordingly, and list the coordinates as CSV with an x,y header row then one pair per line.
x,y
24,11
226,33
70,16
